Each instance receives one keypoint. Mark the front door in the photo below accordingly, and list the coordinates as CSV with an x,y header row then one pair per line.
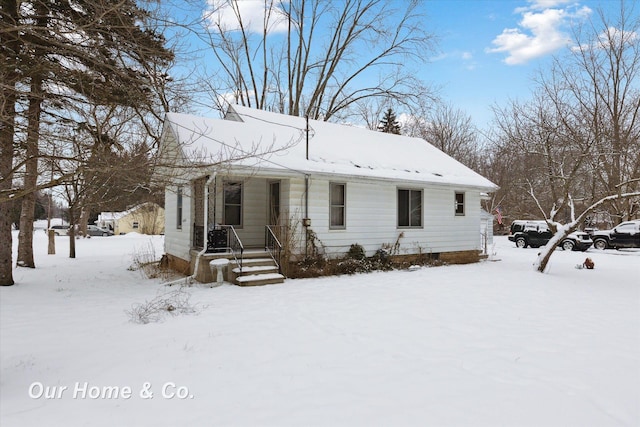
x,y
274,202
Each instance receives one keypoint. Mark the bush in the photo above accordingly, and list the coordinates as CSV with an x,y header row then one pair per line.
x,y
173,302
311,266
149,264
353,266
356,251
355,261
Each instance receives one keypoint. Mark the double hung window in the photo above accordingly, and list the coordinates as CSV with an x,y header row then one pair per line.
x,y
337,208
459,204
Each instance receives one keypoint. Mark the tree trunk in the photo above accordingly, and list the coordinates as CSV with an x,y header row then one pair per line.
x,y
10,43
51,248
82,222
6,260
72,232
545,256
25,237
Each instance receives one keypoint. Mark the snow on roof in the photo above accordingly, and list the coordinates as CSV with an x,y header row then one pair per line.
x,y
107,216
278,142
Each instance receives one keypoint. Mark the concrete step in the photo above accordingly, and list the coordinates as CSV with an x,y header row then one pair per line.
x,y
252,262
260,279
255,269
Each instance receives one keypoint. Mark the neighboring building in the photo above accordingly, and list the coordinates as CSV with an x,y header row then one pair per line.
x,y
256,173
146,218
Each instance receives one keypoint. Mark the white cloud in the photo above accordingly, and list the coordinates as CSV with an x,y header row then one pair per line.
x,y
542,5
221,13
541,31
615,36
465,57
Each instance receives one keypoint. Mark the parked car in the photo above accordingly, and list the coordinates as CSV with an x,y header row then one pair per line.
x,y
520,225
94,230
623,235
577,241
537,233
60,230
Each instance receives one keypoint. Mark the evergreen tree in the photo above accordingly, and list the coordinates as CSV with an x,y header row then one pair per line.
x,y
389,123
57,58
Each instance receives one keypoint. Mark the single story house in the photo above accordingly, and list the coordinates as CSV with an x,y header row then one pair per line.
x,y
145,218
257,179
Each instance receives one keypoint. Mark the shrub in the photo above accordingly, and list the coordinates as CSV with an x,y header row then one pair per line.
x,y
173,302
149,264
353,266
356,251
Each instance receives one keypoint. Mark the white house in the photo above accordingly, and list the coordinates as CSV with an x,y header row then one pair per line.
x,y
261,177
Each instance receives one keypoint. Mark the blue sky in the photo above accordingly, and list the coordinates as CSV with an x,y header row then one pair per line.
x,y
489,50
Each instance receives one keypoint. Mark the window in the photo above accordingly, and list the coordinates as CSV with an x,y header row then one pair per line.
x,y
459,204
337,202
179,210
233,203
409,208
135,225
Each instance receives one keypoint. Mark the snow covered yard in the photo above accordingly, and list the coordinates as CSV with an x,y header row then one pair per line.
x,y
493,343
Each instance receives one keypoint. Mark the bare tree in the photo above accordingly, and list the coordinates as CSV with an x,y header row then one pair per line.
x,y
329,54
578,137
449,129
605,84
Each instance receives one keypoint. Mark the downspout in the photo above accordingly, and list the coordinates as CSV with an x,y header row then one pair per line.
x,y
306,196
305,221
211,179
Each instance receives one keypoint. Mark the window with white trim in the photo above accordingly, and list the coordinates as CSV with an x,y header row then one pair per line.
x,y
459,203
337,205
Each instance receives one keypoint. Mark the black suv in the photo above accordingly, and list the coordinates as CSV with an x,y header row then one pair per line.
x,y
537,233
623,235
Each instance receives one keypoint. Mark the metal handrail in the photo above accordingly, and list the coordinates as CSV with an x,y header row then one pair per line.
x,y
273,246
231,243
235,244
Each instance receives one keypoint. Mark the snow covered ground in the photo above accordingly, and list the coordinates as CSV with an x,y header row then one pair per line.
x,y
494,343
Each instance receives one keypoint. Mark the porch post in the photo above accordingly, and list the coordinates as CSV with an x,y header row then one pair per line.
x,y
206,209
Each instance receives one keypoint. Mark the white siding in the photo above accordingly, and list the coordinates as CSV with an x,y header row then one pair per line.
x,y
371,217
177,242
